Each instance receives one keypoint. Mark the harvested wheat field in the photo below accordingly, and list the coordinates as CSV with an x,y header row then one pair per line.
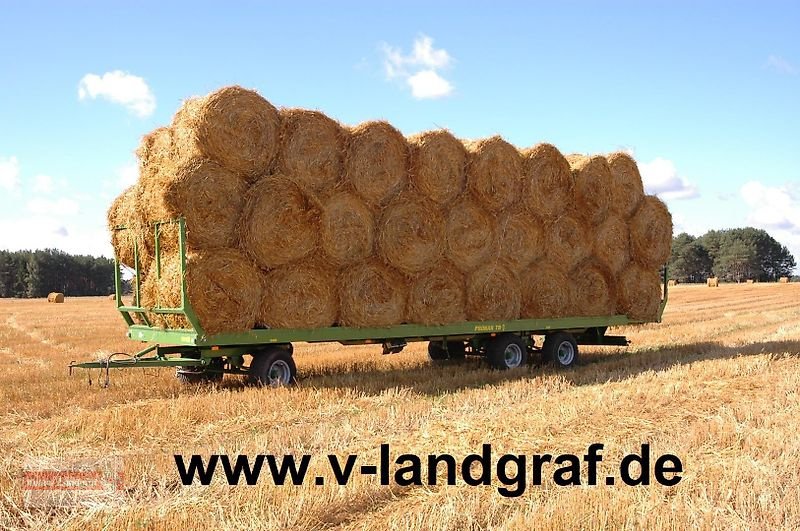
x,y
715,384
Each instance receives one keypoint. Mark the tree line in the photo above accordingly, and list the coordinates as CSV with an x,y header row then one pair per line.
x,y
732,255
28,274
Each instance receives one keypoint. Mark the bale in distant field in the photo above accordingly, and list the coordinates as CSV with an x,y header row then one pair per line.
x,y
112,297
233,126
494,173
593,185
371,294
493,294
520,240
299,296
55,297
438,162
469,234
783,280
750,281
594,289
311,149
672,282
347,229
612,243
376,162
223,286
280,222
546,292
437,297
638,293
567,242
125,211
712,282
627,190
651,233
411,234
548,182
207,195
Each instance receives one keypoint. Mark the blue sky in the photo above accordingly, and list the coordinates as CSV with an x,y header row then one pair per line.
x,y
705,95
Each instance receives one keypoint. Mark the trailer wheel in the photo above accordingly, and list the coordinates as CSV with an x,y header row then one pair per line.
x,y
272,366
456,350
200,375
506,351
560,348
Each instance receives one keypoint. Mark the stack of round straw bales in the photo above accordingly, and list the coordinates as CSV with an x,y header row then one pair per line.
x,y
295,221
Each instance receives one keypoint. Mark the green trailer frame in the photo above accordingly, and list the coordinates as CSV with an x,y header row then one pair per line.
x,y
224,353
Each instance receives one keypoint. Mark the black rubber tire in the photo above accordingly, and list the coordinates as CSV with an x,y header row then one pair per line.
x,y
273,367
456,350
506,351
198,375
560,349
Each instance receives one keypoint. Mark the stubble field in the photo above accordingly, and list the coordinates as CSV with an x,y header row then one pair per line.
x,y
715,384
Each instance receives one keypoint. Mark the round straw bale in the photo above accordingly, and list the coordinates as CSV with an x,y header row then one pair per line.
x,y
520,239
594,289
548,182
494,173
112,297
567,242
592,187
151,290
411,236
493,294
651,233
55,297
469,234
376,162
312,149
438,297
125,212
299,296
233,126
438,162
612,243
371,294
627,189
223,287
546,292
280,222
347,229
207,195
154,153
638,293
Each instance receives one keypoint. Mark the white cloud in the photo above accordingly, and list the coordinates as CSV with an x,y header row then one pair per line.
x,y
9,173
779,64
661,178
419,69
43,184
48,232
127,175
119,87
53,207
775,209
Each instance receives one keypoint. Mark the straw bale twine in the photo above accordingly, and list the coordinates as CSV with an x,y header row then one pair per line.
x,y
592,187
438,163
651,233
234,126
411,235
520,240
493,294
627,189
546,292
299,296
639,293
376,162
494,173
347,229
371,294
280,222
438,297
612,243
548,182
594,289
469,234
312,149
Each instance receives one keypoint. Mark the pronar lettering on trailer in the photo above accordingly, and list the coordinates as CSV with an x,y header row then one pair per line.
x,y
490,328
